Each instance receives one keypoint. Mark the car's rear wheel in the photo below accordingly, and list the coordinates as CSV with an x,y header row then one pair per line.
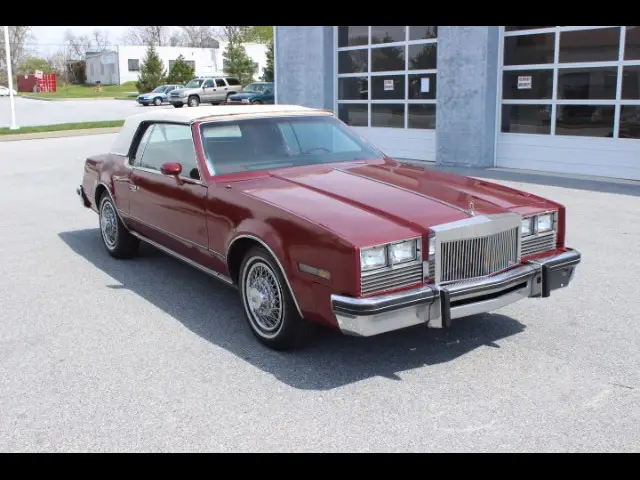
x,y
194,101
268,305
177,105
115,236
157,101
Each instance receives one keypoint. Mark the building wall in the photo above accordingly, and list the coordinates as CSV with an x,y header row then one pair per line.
x,y
560,99
207,61
467,92
304,61
102,68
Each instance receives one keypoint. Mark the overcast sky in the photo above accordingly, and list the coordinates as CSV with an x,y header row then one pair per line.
x,y
48,39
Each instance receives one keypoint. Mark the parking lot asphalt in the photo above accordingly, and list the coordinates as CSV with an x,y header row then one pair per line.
x,y
41,112
149,354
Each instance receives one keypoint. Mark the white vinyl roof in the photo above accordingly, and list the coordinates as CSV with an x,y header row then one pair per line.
x,y
191,114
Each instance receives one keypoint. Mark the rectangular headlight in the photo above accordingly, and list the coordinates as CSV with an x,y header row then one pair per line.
x,y
527,226
404,252
545,223
373,257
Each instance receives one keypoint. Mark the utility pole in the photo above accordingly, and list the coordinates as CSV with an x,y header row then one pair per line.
x,y
7,48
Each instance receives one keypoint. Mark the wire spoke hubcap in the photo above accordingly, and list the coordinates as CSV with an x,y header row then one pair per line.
x,y
264,298
109,225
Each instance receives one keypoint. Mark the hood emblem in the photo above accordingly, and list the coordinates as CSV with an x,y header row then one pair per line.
x,y
472,207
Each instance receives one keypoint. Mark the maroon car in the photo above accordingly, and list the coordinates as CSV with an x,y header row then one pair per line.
x,y
312,223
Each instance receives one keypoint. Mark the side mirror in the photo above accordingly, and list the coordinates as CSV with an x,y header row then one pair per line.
x,y
172,169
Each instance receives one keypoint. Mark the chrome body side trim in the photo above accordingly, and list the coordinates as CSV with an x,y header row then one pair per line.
x,y
186,260
436,305
275,257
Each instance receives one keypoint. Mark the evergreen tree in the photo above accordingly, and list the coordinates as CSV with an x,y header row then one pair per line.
x,y
268,70
237,63
152,72
181,72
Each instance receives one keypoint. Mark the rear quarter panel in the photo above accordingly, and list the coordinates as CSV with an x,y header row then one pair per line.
x,y
106,170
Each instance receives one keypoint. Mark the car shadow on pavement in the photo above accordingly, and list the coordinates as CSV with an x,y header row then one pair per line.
x,y
212,310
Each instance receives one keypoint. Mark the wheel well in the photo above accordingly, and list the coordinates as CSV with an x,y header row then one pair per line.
x,y
194,95
236,254
100,189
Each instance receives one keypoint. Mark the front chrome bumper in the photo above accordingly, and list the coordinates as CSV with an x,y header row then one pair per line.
x,y
435,306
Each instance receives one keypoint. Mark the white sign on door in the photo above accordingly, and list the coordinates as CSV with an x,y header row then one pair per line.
x,y
388,85
525,82
425,85
39,74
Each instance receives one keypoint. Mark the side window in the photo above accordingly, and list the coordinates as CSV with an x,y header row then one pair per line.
x,y
220,83
135,161
169,89
233,81
208,83
171,143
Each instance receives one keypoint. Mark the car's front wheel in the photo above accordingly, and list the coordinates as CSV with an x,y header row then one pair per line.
x,y
177,105
157,102
268,305
194,101
115,236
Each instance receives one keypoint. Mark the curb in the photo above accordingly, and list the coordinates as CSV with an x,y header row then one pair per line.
x,y
59,134
42,99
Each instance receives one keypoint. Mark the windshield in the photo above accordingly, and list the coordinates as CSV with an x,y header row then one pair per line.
x,y
159,90
256,87
194,83
266,143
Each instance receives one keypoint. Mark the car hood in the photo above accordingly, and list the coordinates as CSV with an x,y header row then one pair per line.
x,y
184,91
379,201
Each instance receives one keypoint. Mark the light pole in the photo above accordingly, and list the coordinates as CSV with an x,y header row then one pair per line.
x,y
7,48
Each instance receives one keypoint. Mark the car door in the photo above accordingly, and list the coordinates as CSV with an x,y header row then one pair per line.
x,y
268,97
208,91
169,210
221,90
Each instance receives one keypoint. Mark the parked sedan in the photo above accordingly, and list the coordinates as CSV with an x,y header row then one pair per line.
x,y
254,93
157,96
5,92
312,223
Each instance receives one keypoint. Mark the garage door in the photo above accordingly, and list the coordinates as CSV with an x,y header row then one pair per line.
x,y
386,86
570,100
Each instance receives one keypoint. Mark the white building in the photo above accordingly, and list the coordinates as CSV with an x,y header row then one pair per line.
x,y
123,65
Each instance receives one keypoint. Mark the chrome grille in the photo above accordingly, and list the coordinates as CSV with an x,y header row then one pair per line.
x,y
469,258
538,244
388,279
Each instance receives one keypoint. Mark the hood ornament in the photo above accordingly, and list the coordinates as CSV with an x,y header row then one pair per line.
x,y
472,207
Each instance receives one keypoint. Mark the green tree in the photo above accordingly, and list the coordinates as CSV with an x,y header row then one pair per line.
x,y
237,63
258,34
152,71
268,70
31,64
181,72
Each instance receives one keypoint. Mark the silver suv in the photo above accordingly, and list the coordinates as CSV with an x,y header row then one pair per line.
x,y
214,90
